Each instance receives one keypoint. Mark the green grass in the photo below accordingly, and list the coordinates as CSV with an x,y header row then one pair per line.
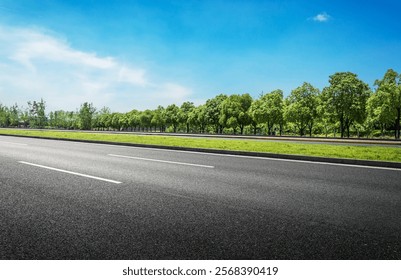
x,y
378,153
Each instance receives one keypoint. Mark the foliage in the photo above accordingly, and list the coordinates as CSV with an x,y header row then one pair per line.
x,y
37,115
301,107
85,116
269,109
345,100
172,116
183,115
234,112
346,106
213,109
385,105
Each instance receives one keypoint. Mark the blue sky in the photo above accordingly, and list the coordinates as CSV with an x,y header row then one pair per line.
x,y
139,54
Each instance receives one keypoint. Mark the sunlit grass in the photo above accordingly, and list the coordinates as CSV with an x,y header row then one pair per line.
x,y
379,153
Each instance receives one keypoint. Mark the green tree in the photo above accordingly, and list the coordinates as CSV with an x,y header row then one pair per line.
x,y
37,114
388,98
345,100
23,117
103,118
72,120
185,109
4,116
159,118
324,118
14,115
198,118
134,119
235,111
62,119
173,116
268,109
379,111
124,121
115,121
213,112
146,119
85,116
301,107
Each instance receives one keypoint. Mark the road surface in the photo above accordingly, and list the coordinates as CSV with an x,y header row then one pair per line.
x,y
69,200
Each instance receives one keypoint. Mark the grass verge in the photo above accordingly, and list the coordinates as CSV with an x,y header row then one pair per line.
x,y
377,153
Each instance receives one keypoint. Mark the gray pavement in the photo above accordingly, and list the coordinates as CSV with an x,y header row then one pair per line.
x,y
69,200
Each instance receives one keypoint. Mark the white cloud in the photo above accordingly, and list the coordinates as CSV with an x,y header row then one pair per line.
x,y
322,17
35,64
132,76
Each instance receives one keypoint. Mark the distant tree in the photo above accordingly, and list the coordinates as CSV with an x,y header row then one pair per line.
x,y
124,121
213,112
115,121
301,107
159,118
134,119
97,118
14,115
379,111
103,118
185,109
60,119
37,114
235,111
345,100
173,116
388,99
253,122
324,118
51,120
268,109
146,119
85,116
23,116
198,118
4,116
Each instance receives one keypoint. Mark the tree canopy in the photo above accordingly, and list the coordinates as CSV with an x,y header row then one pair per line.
x,y
347,105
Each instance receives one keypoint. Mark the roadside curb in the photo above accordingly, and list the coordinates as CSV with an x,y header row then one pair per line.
x,y
386,164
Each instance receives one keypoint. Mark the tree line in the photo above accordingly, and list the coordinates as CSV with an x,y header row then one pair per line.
x,y
346,107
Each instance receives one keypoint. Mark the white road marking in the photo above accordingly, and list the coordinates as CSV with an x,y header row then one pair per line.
x,y
162,161
70,172
20,144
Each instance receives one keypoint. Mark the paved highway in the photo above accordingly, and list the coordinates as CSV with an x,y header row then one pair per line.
x,y
69,200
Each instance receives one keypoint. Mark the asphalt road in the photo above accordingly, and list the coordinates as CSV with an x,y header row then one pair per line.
x,y
68,200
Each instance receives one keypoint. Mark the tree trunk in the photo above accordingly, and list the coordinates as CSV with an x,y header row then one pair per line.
x,y
397,125
342,126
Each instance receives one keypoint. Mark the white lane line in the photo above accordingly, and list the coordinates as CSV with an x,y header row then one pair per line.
x,y
70,172
162,161
20,144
